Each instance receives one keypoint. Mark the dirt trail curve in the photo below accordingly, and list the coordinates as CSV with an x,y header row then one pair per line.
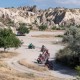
x,y
31,55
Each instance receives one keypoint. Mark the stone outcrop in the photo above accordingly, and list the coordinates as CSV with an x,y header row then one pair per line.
x,y
34,17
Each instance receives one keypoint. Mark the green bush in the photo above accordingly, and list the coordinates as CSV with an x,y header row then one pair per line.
x,y
58,28
62,27
23,29
71,54
54,28
42,27
67,57
59,36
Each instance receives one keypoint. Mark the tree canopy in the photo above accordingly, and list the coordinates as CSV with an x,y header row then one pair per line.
x,y
72,37
70,55
8,39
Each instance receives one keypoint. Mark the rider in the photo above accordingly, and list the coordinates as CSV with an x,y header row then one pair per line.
x,y
42,48
40,58
47,54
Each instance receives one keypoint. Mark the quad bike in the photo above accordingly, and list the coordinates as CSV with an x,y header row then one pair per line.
x,y
31,46
41,59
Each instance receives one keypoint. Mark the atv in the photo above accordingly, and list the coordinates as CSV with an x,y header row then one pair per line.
x,y
31,46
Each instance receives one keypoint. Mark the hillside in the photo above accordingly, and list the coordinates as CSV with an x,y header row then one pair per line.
x,y
34,17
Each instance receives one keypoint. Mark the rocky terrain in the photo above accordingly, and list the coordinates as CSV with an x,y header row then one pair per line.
x,y
34,17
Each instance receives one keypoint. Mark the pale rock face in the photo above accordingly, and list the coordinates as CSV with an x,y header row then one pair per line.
x,y
34,17
17,16
69,16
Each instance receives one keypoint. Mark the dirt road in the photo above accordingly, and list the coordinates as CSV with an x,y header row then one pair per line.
x,y
32,55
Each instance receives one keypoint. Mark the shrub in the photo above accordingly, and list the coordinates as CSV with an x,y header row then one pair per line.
x,y
71,54
54,28
42,27
62,27
59,36
58,28
23,29
67,57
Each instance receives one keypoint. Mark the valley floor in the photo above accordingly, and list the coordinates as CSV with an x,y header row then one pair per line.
x,y
39,38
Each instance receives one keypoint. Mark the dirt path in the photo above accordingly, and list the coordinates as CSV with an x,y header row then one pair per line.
x,y
32,55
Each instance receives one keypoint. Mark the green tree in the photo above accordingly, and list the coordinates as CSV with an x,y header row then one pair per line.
x,y
23,29
8,39
72,37
70,55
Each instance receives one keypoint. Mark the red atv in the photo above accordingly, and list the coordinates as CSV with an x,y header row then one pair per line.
x,y
42,59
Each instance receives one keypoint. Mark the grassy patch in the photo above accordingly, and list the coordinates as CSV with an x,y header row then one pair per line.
x,y
32,66
7,73
7,54
43,36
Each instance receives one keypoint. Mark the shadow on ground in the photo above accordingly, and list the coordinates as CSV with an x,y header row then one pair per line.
x,y
61,69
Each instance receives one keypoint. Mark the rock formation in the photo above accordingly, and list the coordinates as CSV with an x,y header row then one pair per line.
x,y
34,17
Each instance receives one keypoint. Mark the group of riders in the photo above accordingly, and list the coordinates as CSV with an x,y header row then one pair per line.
x,y
43,58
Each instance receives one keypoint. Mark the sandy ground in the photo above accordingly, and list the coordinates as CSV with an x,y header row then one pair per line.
x,y
32,54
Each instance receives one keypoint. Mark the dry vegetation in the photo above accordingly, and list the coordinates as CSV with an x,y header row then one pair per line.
x,y
7,54
32,66
7,73
43,36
